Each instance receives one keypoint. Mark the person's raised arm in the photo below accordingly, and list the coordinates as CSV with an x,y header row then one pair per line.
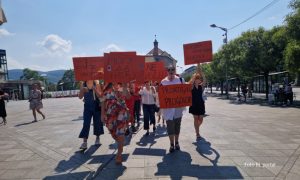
x,y
81,92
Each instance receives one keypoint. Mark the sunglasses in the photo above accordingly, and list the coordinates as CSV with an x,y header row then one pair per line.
x,y
171,70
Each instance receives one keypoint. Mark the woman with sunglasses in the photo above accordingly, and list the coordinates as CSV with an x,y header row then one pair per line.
x,y
198,106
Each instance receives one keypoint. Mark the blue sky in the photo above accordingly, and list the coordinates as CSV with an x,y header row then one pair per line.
x,y
46,34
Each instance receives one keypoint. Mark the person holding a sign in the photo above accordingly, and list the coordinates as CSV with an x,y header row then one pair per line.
x,y
173,116
115,115
148,94
90,91
198,107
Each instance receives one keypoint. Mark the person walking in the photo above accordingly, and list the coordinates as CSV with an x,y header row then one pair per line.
x,y
90,91
198,105
173,116
148,94
35,102
115,115
3,114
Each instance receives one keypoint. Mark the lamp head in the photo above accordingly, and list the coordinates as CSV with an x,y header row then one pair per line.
x,y
213,25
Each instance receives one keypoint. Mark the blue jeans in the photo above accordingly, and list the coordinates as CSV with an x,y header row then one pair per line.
x,y
149,116
87,117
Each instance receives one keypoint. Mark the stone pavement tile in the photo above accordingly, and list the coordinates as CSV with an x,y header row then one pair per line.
x,y
292,176
20,157
264,152
3,157
14,173
276,146
262,178
242,161
16,151
231,153
296,168
257,171
271,160
134,163
152,161
287,152
133,173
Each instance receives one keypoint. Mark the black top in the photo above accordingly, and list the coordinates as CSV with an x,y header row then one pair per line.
x,y
197,107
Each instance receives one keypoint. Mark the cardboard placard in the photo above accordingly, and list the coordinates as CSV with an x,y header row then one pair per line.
x,y
199,52
88,68
123,67
174,96
155,71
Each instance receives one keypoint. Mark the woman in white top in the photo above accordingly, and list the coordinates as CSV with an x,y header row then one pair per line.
x,y
148,94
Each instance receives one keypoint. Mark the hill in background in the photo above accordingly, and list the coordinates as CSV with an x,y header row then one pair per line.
x,y
52,76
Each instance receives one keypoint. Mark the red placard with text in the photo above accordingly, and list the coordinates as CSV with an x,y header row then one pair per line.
x,y
88,68
155,71
200,52
123,67
174,96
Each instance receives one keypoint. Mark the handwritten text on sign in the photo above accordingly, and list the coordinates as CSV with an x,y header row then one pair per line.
x,y
88,68
199,52
124,67
174,96
155,71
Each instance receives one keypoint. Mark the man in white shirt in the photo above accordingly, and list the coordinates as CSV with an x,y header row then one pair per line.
x,y
173,116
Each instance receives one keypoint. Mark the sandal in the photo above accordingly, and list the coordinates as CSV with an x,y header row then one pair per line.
x,y
34,121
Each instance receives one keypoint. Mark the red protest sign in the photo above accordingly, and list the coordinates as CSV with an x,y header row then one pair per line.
x,y
88,68
155,71
174,96
123,67
199,52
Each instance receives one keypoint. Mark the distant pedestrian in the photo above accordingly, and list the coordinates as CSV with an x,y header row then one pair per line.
x,y
115,114
289,94
3,114
137,103
35,102
148,94
173,116
244,91
91,92
198,106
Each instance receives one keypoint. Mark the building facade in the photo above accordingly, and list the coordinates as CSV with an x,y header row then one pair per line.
x,y
3,66
156,55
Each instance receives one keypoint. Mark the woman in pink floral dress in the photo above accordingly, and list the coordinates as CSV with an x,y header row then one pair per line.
x,y
115,115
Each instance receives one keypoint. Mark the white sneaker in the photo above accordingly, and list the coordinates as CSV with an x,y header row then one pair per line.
x,y
97,141
83,145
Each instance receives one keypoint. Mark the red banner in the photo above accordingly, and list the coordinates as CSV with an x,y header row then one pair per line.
x,y
123,67
88,68
199,52
174,96
155,71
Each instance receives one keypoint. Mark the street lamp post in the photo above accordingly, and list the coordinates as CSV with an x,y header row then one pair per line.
x,y
225,42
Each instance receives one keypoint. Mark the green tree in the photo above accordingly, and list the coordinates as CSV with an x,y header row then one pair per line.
x,y
292,51
68,81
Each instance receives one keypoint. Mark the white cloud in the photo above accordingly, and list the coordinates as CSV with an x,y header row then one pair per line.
x,y
111,48
4,32
272,18
55,44
14,64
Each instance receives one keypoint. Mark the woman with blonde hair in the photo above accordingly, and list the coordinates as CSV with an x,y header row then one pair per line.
x,y
198,107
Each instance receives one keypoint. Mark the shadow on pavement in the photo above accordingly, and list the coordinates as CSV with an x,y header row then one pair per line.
x,y
74,162
74,175
178,165
23,124
205,150
80,118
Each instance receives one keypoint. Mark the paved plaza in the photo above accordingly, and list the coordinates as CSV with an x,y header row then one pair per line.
x,y
242,141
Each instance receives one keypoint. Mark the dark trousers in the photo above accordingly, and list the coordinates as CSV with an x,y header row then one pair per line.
x,y
137,109
88,114
149,116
